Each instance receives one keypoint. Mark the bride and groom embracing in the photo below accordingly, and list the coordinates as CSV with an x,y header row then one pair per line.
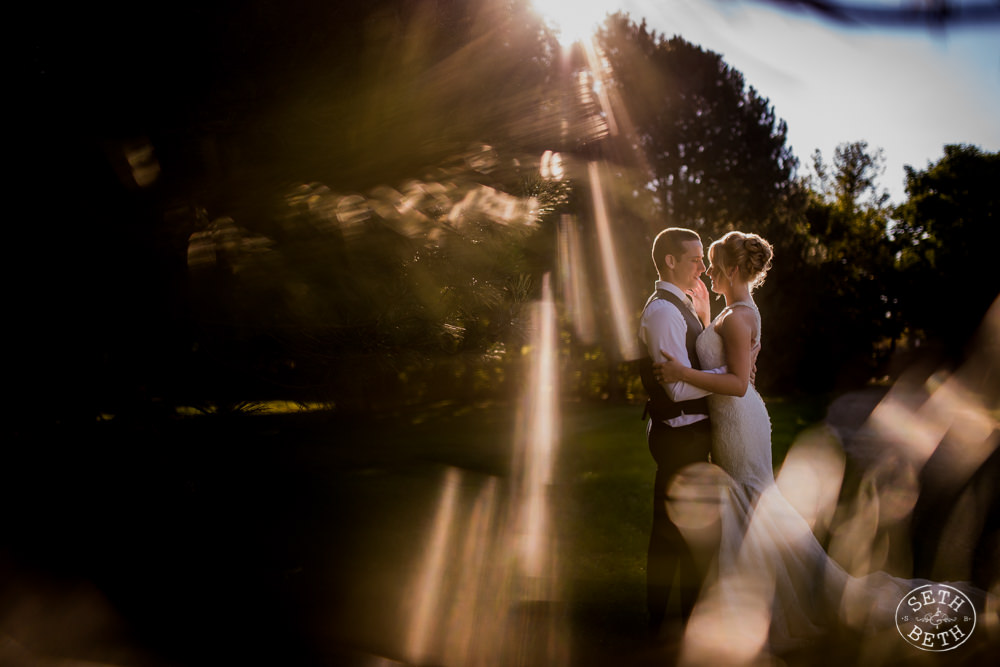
x,y
767,573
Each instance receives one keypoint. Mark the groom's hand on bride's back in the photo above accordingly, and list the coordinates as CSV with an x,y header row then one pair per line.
x,y
670,370
667,371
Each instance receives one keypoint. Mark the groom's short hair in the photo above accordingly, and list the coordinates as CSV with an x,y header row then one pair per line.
x,y
671,242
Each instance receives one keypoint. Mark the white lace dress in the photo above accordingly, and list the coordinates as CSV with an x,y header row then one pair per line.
x,y
741,427
772,573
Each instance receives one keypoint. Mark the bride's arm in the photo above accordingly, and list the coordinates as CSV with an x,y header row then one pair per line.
x,y
735,330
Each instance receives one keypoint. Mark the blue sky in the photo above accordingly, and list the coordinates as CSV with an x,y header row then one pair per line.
x,y
909,91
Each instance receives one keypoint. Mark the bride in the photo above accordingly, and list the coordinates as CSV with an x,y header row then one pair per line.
x,y
771,576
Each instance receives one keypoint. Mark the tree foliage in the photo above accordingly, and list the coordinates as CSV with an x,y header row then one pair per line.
x,y
326,191
852,180
949,231
356,298
344,202
716,152
849,302
417,227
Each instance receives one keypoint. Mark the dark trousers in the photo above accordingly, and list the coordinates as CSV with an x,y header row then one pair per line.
x,y
669,556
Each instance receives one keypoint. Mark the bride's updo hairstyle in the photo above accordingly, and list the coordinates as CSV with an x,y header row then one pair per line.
x,y
749,253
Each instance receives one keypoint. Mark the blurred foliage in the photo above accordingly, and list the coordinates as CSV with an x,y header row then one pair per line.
x,y
312,201
348,203
354,298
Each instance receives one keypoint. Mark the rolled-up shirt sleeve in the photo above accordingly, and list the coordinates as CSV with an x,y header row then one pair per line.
x,y
663,329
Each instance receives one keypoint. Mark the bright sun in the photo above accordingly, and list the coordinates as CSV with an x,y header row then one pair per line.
x,y
574,20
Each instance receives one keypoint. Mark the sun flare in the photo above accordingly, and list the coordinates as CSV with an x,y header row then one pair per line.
x,y
573,21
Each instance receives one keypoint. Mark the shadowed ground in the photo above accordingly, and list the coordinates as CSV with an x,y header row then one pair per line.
x,y
295,539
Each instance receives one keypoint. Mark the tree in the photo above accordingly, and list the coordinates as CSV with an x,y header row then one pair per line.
x,y
408,240
362,300
949,231
855,173
716,153
243,105
856,319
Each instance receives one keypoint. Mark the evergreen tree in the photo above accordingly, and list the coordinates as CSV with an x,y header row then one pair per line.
x,y
949,231
854,315
716,152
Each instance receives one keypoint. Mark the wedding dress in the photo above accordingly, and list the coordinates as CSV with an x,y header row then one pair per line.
x,y
772,577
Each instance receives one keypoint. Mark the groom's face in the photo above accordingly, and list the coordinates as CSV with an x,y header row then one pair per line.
x,y
689,266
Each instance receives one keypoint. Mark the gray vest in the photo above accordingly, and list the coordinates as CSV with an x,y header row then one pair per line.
x,y
659,405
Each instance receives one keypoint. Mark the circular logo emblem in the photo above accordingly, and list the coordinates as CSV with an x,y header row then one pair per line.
x,y
935,617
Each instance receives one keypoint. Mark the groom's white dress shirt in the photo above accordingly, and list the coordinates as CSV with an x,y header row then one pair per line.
x,y
662,328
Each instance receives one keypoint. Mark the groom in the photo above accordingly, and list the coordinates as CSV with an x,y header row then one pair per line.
x,y
678,431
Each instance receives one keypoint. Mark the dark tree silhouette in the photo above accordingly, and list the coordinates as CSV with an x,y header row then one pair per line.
x,y
715,150
949,232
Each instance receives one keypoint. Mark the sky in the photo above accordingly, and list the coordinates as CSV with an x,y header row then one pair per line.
x,y
907,90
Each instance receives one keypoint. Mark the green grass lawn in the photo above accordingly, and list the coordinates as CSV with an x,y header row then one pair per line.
x,y
601,500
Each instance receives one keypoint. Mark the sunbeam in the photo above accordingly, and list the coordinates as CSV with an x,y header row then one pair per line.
x,y
534,469
487,591
600,85
426,598
621,320
474,583
572,269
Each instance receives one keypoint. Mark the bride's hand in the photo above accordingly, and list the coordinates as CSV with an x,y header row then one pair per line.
x,y
701,299
668,371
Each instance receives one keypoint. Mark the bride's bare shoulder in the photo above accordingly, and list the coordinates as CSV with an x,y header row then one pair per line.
x,y
737,320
